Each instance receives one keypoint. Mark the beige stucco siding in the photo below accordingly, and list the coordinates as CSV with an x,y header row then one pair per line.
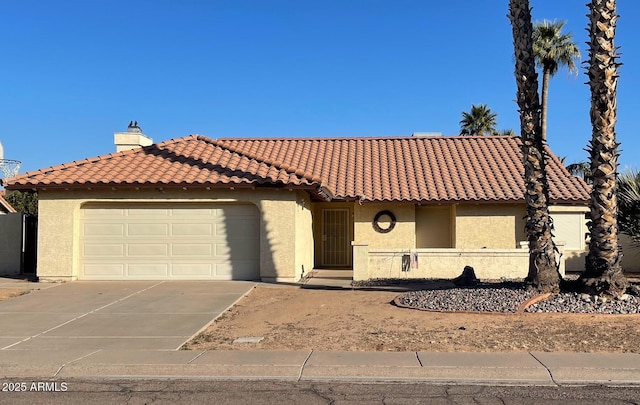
x,y
403,234
434,226
304,235
491,226
284,243
57,229
570,228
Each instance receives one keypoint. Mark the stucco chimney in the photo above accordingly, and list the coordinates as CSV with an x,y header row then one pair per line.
x,y
426,134
133,138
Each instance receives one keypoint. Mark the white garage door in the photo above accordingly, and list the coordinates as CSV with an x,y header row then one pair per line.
x,y
170,241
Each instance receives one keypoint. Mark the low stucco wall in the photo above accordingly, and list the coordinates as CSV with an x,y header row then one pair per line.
x,y
630,255
441,263
285,234
10,244
574,260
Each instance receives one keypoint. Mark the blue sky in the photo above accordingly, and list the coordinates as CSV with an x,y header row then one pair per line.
x,y
74,72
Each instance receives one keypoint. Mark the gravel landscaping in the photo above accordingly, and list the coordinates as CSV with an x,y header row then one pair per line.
x,y
482,298
587,304
508,297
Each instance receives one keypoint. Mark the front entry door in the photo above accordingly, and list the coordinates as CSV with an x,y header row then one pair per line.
x,y
336,238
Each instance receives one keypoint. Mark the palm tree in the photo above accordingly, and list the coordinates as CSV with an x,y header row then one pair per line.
x,y
543,270
479,121
580,169
603,271
552,50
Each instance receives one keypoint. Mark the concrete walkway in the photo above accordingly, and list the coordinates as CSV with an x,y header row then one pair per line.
x,y
132,329
462,368
329,279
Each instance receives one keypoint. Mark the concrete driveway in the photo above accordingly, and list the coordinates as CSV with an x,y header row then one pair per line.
x,y
152,315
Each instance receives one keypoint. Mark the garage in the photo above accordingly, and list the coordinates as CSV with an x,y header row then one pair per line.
x,y
173,241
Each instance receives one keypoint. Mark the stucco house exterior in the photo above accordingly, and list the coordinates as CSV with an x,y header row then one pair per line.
x,y
276,208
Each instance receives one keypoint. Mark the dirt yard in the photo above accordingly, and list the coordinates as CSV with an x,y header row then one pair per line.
x,y
291,318
6,293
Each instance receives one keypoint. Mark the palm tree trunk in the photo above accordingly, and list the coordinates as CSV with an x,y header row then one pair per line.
x,y
603,271
543,272
546,75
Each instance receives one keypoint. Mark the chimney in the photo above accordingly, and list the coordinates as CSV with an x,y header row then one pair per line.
x,y
133,138
426,134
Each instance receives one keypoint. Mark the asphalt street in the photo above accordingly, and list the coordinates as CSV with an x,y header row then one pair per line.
x,y
159,391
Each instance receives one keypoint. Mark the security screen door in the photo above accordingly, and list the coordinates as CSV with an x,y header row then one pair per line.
x,y
336,238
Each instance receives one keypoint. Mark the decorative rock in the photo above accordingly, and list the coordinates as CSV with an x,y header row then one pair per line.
x,y
467,278
508,297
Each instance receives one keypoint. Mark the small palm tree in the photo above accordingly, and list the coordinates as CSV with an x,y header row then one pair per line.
x,y
552,49
629,204
543,270
603,270
580,169
479,121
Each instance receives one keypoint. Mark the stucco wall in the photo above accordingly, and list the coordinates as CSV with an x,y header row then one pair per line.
x,y
10,244
447,264
304,235
403,234
630,255
281,253
570,228
434,226
491,226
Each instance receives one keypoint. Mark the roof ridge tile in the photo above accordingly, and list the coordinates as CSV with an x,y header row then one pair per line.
x,y
279,165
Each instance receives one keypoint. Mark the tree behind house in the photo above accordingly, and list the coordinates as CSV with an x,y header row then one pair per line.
x,y
580,169
479,121
23,201
629,204
552,50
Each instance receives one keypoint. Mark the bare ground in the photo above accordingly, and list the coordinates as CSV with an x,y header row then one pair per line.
x,y
6,293
291,318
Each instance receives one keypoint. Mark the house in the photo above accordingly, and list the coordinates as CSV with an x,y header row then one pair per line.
x,y
275,208
5,207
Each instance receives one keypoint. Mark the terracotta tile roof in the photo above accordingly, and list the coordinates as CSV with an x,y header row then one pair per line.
x,y
426,169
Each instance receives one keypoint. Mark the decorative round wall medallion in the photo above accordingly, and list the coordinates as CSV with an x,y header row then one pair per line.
x,y
384,221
